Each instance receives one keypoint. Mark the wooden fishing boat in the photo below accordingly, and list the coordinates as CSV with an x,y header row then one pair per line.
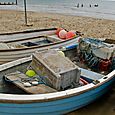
x,y
22,44
14,101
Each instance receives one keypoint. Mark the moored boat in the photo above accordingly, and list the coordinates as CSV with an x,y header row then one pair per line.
x,y
14,46
55,103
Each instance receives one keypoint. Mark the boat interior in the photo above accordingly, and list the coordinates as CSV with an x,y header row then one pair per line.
x,y
31,42
87,75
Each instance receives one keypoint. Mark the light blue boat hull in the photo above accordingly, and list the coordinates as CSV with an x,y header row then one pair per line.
x,y
56,107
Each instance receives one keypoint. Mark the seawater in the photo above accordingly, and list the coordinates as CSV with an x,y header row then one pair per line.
x,y
105,9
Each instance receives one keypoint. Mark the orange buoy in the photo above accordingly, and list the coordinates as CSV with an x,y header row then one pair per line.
x,y
62,34
58,30
70,34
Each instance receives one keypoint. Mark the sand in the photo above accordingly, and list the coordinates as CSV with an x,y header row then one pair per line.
x,y
91,27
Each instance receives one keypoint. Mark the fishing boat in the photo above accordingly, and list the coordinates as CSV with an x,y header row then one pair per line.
x,y
22,44
60,100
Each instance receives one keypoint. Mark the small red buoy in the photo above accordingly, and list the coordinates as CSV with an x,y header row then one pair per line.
x,y
70,34
58,30
62,34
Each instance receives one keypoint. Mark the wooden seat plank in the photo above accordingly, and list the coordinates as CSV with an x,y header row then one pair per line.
x,y
16,78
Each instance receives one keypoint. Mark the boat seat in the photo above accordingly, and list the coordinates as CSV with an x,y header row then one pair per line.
x,y
90,74
18,79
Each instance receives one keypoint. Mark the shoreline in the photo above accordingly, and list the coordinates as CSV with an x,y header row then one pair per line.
x,y
87,10
13,20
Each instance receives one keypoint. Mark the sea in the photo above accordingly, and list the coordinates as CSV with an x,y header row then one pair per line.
x,y
91,8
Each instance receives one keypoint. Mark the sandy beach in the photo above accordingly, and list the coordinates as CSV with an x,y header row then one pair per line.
x,y
91,27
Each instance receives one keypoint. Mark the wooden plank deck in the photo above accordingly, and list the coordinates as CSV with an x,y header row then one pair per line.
x,y
17,78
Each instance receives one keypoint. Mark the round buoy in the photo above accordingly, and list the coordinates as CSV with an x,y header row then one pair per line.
x,y
30,73
61,53
62,34
58,30
70,34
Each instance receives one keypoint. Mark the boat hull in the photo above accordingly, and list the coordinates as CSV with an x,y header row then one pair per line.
x,y
55,107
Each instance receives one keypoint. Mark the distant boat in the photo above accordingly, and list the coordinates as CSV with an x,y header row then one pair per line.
x,y
12,102
22,44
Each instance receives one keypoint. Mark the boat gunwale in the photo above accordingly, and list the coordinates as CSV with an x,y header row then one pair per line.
x,y
28,31
31,38
35,98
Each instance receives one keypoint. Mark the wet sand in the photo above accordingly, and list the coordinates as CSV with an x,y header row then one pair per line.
x,y
14,21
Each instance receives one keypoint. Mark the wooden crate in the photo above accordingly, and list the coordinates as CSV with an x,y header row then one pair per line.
x,y
56,70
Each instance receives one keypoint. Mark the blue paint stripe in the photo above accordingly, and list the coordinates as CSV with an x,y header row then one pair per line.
x,y
72,46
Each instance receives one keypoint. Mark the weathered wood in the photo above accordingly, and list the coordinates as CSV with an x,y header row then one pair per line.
x,y
17,79
58,70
